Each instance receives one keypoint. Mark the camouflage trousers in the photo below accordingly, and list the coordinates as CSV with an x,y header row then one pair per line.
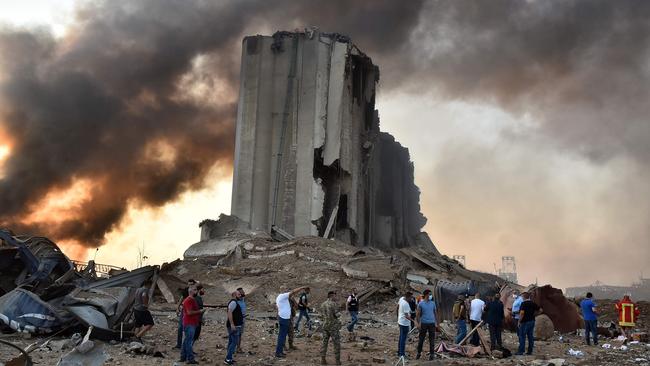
x,y
336,340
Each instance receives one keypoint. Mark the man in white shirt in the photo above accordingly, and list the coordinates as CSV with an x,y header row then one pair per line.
x,y
404,322
475,314
284,317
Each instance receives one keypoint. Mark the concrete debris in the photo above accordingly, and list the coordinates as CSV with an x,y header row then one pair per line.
x,y
43,292
97,356
544,329
575,352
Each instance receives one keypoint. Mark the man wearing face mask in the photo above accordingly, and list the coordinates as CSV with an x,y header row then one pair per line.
x,y
425,320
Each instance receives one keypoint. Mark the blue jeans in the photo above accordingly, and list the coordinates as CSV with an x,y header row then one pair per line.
x,y
403,334
233,340
461,331
179,334
354,318
526,330
591,326
305,313
282,335
187,354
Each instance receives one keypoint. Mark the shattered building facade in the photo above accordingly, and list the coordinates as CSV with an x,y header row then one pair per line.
x,y
309,155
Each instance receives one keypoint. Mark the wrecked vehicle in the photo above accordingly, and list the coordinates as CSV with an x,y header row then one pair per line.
x,y
44,292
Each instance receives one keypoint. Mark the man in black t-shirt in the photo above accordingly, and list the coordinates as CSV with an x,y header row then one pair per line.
x,y
233,325
526,325
303,308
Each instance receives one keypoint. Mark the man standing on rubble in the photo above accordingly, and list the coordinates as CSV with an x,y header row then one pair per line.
x,y
526,324
292,332
284,316
233,325
404,321
242,305
494,317
179,312
459,311
590,315
476,308
516,305
191,318
425,320
199,301
352,306
331,325
303,309
143,318
628,312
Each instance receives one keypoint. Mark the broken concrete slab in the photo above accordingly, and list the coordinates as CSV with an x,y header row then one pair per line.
x,y
97,356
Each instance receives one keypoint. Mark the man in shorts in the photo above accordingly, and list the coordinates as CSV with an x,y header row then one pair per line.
x,y
143,318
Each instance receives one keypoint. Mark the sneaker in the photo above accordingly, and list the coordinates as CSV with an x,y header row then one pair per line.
x,y
417,357
182,360
280,355
228,362
192,362
431,357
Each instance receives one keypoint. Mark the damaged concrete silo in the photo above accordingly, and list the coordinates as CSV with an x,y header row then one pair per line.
x,y
309,156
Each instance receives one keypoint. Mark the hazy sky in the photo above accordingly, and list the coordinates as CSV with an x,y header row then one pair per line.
x,y
527,126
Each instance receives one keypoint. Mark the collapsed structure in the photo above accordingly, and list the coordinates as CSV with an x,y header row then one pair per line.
x,y
43,292
309,156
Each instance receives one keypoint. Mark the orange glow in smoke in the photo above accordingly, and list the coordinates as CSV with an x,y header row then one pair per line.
x,y
60,205
5,149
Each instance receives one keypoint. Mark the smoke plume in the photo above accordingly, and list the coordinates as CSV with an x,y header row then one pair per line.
x,y
137,102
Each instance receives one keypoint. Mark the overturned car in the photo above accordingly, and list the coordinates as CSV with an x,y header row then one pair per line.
x,y
44,292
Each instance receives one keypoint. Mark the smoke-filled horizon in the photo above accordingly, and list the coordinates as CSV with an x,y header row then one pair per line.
x,y
135,105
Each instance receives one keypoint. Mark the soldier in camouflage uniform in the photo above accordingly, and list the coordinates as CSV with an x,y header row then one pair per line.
x,y
331,324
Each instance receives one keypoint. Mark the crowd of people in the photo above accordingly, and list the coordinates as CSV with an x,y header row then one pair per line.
x,y
421,313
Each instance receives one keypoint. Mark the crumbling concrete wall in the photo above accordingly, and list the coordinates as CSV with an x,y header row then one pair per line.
x,y
309,156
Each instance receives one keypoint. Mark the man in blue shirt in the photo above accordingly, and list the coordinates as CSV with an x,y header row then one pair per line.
x,y
425,319
590,315
242,305
516,305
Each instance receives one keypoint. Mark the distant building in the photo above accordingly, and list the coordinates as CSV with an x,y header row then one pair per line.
x,y
508,269
639,290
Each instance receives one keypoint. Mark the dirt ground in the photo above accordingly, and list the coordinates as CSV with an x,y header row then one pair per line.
x,y
376,343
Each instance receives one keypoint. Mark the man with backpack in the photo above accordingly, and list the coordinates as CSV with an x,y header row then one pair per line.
x,y
233,325
460,316
352,306
303,308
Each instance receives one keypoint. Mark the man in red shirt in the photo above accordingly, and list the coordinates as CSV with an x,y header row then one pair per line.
x,y
191,320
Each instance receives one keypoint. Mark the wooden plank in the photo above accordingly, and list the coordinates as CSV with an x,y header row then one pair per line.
x,y
470,333
330,224
483,343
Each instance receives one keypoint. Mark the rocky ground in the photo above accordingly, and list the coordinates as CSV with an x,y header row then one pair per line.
x,y
375,343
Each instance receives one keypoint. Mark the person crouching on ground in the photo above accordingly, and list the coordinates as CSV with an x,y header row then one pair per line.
x,y
191,319
233,325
